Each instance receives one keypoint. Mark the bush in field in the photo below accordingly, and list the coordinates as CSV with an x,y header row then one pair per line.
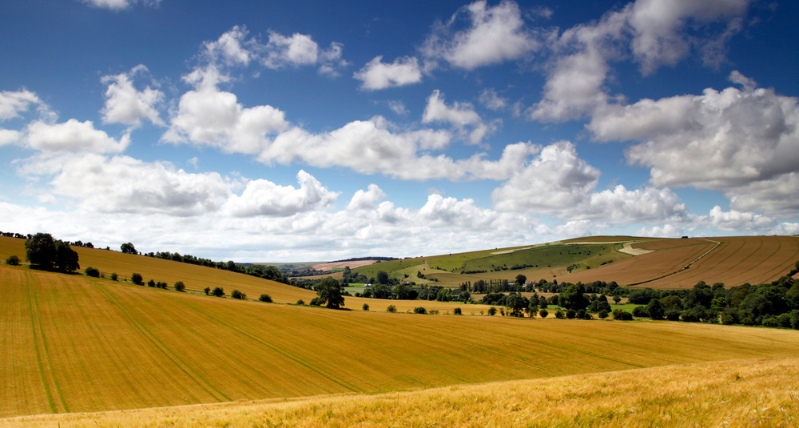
x,y
543,313
560,314
391,308
458,311
93,272
582,314
268,299
151,283
492,311
619,314
571,313
12,260
673,315
218,292
640,312
236,294
655,309
330,293
603,314
315,302
114,276
366,307
136,279
161,284
207,290
179,286
299,302
419,310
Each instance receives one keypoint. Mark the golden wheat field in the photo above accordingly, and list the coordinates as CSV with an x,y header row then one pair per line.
x,y
750,393
77,344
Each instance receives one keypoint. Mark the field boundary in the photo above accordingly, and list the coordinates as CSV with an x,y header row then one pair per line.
x,y
684,267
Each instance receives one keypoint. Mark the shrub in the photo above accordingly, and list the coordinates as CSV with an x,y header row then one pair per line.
x,y
795,320
207,290
619,314
268,299
771,322
419,310
560,314
151,283
114,276
603,314
236,294
161,284
136,279
673,315
365,306
543,313
391,308
93,272
640,312
299,302
316,302
492,311
218,292
12,260
571,313
179,286
458,311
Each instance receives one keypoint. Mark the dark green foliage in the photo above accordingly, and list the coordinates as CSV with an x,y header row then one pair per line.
x,y
619,314
114,276
236,294
516,304
603,314
419,310
543,313
391,308
672,315
573,298
66,259
268,299
329,291
492,311
93,272
299,302
382,277
136,279
218,292
560,314
571,313
520,279
673,303
12,260
151,283
458,311
40,250
655,309
128,248
795,319
365,307
179,286
207,290
640,312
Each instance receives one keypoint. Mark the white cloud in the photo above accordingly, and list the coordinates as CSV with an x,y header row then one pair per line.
x,y
398,107
117,5
737,221
14,103
121,184
231,48
490,99
665,231
555,181
366,199
379,75
460,115
124,104
8,136
208,116
645,205
742,142
264,198
301,50
72,135
494,34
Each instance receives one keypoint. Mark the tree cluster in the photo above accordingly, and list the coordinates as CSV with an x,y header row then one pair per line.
x,y
44,252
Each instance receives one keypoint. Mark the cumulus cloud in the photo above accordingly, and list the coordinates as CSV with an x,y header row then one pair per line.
x,y
665,231
742,142
118,5
459,115
379,75
14,103
299,50
8,136
737,221
493,35
366,199
232,47
121,184
208,116
264,198
646,205
398,107
490,99
74,136
124,104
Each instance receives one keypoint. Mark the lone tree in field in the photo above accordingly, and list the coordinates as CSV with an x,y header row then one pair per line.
x,y
12,260
128,248
329,291
45,252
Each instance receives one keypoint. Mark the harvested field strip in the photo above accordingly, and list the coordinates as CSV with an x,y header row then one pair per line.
x,y
691,263
43,353
164,349
758,392
666,244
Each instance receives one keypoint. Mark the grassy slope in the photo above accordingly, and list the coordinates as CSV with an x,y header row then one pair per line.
x,y
755,393
76,344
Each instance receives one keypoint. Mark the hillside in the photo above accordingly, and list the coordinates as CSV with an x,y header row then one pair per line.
x,y
77,344
731,393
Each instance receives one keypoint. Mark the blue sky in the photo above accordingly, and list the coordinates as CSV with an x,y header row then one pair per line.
x,y
265,131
